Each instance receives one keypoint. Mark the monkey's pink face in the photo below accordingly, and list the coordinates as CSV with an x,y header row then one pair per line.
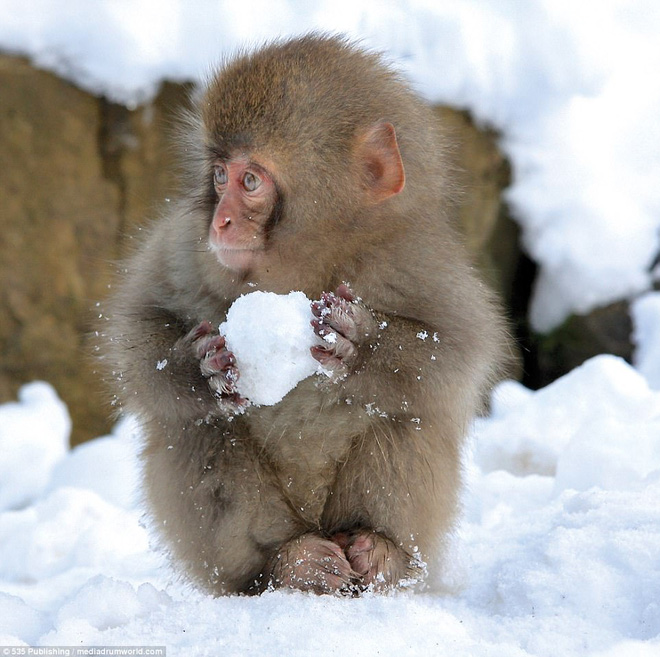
x,y
247,197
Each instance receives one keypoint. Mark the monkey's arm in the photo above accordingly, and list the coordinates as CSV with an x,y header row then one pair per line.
x,y
419,385
166,369
394,365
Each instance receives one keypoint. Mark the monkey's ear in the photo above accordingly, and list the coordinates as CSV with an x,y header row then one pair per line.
x,y
378,152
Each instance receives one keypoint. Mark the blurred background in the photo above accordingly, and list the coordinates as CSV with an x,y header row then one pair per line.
x,y
554,106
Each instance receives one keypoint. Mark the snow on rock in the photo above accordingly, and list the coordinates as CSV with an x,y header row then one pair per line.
x,y
270,335
34,430
646,336
571,87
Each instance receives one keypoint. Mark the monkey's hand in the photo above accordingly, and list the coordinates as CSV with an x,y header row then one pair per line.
x,y
218,367
343,322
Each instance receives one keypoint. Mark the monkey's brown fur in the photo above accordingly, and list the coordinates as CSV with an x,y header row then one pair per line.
x,y
233,497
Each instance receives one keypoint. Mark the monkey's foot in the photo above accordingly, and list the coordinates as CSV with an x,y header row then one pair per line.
x,y
380,564
312,563
342,322
218,366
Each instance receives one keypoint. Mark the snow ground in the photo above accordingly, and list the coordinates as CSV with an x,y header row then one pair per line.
x,y
558,551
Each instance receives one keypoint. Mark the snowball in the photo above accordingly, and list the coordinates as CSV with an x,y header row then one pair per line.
x,y
270,335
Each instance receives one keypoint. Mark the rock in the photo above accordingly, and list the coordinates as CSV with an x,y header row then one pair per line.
x,y
605,330
78,173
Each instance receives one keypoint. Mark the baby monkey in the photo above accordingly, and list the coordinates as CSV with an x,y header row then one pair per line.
x,y
309,165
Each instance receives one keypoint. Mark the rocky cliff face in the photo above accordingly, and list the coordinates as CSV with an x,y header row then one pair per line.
x,y
78,175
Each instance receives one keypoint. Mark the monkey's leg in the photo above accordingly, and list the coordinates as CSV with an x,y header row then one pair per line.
x,y
312,563
395,499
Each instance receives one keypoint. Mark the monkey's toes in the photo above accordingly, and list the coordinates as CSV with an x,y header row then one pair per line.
x,y
378,561
312,563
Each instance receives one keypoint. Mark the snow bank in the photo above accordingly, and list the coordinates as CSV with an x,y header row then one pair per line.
x,y
571,430
558,551
34,430
106,466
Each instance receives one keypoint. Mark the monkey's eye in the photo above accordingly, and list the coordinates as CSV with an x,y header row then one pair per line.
x,y
219,175
251,182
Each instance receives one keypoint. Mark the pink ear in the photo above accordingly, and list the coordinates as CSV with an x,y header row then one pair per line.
x,y
380,156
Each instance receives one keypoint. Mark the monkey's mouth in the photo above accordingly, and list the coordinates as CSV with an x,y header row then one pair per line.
x,y
236,259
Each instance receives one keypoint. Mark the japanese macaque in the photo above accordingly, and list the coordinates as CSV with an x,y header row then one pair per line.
x,y
311,166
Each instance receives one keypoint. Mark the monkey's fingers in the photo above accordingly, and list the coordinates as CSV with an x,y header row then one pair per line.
x,y
202,329
232,404
336,357
219,368
218,361
345,292
203,339
332,309
223,383
333,340
208,345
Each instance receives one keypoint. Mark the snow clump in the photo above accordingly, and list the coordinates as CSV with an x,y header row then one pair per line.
x,y
270,335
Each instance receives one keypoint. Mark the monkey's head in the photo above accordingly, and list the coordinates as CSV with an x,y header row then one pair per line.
x,y
299,151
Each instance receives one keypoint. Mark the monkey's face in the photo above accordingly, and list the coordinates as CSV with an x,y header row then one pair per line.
x,y
247,199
